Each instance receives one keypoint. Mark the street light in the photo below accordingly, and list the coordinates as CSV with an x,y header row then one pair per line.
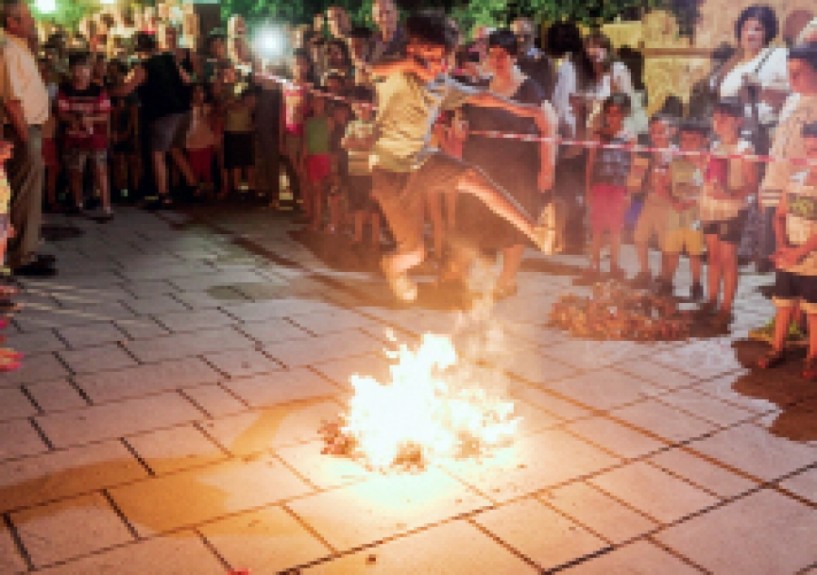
x,y
46,6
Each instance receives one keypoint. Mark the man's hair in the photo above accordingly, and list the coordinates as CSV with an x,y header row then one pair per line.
x,y
79,58
431,27
809,130
807,51
665,118
731,106
505,39
362,93
362,32
763,14
694,125
619,99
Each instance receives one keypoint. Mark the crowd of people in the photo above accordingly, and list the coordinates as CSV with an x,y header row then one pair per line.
x,y
379,131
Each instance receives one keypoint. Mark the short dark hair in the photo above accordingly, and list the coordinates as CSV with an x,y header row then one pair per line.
x,y
664,117
144,42
362,93
731,106
693,125
505,39
619,99
763,14
806,51
79,58
809,130
362,32
431,27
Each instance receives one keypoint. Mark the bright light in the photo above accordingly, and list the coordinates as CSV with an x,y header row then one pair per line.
x,y
270,43
46,6
107,2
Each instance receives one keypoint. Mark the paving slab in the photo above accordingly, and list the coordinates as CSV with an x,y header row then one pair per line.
x,y
639,558
539,533
703,473
45,367
657,418
273,330
183,553
14,404
604,389
168,450
336,345
619,439
69,528
11,561
214,400
597,511
20,438
455,547
92,335
242,362
322,470
96,359
177,346
744,536
281,386
803,484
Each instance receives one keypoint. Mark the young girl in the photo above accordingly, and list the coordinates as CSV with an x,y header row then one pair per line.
x,y
606,177
239,140
200,143
728,182
317,161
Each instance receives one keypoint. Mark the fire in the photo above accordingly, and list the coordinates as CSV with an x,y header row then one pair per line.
x,y
435,406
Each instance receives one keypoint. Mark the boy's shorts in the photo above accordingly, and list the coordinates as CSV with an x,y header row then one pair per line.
x,y
608,204
684,238
401,195
653,220
168,132
728,231
75,159
318,167
791,288
360,193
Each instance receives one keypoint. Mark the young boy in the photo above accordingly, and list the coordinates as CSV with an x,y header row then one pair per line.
x,y
358,142
686,178
411,93
796,258
84,109
656,210
729,180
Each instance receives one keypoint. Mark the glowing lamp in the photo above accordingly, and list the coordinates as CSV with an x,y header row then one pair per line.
x,y
269,43
46,6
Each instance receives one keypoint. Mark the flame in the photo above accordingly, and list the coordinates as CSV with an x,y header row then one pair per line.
x,y
433,407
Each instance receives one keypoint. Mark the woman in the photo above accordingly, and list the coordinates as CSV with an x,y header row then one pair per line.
x,y
524,169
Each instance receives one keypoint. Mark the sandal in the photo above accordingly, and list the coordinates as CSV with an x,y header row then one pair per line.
x,y
771,358
810,368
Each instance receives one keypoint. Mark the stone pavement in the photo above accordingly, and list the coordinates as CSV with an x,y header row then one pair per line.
x,y
178,369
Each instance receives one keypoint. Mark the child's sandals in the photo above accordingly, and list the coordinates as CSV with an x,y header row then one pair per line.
x,y
772,358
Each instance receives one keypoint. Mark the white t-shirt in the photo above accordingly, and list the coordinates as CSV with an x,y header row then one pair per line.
x,y
770,67
20,80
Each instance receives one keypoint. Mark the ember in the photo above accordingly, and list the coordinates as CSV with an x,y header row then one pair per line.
x,y
434,407
615,312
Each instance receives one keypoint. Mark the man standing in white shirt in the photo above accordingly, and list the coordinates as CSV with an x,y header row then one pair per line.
x,y
25,109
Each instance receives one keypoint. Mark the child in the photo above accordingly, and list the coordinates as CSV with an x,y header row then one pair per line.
x,y
728,182
239,139
655,211
686,178
51,160
9,359
796,259
317,161
294,105
606,178
84,110
358,144
413,90
124,135
200,142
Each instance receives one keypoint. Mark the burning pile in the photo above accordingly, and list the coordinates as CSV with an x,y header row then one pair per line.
x,y
433,407
616,312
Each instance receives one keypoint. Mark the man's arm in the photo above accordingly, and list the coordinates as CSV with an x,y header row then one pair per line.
x,y
401,65
14,111
486,99
135,78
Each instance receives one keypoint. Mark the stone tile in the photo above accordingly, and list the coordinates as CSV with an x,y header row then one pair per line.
x,y
157,305
639,558
90,335
755,451
42,478
69,528
341,370
191,497
599,512
530,464
585,354
803,484
214,400
658,374
18,437
455,547
620,439
281,386
214,297
325,322
384,506
534,367
664,421
273,330
265,541
149,288
706,407
146,379
187,344
603,389
37,342
765,532
653,492
10,559
187,321
181,553
281,425
549,402
333,346
322,470
702,473
94,359
15,404
168,450
242,363
539,533
117,419
723,388
703,359
141,328
46,367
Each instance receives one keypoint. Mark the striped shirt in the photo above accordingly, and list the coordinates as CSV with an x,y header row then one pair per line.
x,y
727,174
359,159
801,221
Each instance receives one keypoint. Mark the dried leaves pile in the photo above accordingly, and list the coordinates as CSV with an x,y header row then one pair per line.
x,y
616,312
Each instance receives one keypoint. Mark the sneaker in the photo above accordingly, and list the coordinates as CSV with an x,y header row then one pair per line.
x,y
642,280
696,292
